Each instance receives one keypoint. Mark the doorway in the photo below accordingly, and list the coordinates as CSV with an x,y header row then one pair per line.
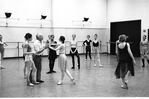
x,y
130,28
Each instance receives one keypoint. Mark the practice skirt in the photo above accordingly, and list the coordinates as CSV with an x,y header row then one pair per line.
x,y
62,61
123,68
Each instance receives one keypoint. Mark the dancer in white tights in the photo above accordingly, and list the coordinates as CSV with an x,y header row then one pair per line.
x,y
2,44
96,51
62,61
28,53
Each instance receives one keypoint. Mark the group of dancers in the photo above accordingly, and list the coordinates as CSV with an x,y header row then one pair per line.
x,y
33,61
32,56
95,45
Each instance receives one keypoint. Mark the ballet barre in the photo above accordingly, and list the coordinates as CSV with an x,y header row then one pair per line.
x,y
115,44
16,48
9,19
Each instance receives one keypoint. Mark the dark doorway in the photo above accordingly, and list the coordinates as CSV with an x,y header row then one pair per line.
x,y
148,34
130,28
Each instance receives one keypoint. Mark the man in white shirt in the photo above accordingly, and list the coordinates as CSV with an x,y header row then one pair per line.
x,y
39,47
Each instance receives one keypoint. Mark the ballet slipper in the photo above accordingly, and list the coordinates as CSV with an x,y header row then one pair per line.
x,y
73,81
30,84
124,86
100,65
59,83
2,67
126,82
35,83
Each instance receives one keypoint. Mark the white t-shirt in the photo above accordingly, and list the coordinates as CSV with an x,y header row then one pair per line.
x,y
38,46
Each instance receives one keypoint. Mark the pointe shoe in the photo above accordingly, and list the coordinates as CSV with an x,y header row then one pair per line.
x,y
35,83
100,65
59,83
78,68
54,71
49,72
30,84
2,67
126,82
73,81
40,81
124,87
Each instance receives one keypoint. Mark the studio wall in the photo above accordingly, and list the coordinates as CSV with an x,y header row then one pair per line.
x,y
127,10
64,17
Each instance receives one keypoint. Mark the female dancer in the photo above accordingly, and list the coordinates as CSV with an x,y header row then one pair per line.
x,y
74,51
2,44
25,67
52,55
87,43
27,51
62,60
96,50
126,61
144,50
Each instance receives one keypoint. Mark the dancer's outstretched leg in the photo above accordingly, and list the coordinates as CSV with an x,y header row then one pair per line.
x,y
69,75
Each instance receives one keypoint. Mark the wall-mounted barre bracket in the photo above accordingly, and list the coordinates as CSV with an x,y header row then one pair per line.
x,y
40,21
33,19
9,19
83,21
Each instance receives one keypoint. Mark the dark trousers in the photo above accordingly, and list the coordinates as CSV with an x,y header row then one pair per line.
x,y
38,64
77,55
51,64
52,56
88,50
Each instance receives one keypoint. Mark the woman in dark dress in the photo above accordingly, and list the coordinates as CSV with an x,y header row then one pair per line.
x,y
52,55
126,61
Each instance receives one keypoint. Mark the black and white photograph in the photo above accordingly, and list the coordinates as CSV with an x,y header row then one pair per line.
x,y
74,48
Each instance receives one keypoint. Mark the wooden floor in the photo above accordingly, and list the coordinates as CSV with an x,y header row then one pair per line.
x,y
90,81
